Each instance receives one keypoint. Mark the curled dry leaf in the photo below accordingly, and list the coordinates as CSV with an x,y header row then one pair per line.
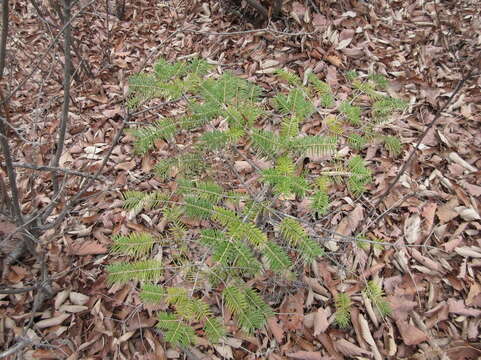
x,y
225,351
412,229
349,349
468,251
367,336
61,297
78,298
292,310
458,307
73,308
276,330
411,335
89,247
54,321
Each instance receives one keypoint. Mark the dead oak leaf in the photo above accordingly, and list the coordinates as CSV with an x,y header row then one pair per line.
x,y
458,307
292,311
349,349
410,334
88,247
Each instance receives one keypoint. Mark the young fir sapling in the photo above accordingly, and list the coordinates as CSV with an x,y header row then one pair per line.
x,y
241,243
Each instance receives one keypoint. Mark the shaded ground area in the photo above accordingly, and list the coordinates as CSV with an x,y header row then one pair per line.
x,y
430,273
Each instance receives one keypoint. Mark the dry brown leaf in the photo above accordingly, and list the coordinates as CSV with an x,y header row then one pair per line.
x,y
276,330
53,321
243,167
292,309
412,229
225,351
446,212
411,335
334,60
366,334
458,307
88,247
321,322
349,349
474,297
78,298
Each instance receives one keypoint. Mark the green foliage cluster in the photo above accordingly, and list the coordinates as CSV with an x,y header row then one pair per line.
x,y
241,247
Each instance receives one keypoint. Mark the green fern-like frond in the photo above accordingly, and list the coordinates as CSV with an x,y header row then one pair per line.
x,y
245,260
193,310
392,144
288,76
352,75
320,198
342,316
135,244
295,103
146,136
205,189
137,201
176,331
214,329
197,207
290,127
177,296
152,294
368,88
314,146
375,293
255,301
352,113
266,143
360,177
323,89
177,230
215,140
357,141
241,303
187,165
334,125
283,180
380,80
276,257
386,106
292,231
235,299
320,202
123,272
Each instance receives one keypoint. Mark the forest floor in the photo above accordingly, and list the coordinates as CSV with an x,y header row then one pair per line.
x,y
431,273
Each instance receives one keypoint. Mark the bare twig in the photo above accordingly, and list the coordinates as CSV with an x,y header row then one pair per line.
x,y
71,203
12,291
47,52
23,342
12,176
3,40
416,148
66,93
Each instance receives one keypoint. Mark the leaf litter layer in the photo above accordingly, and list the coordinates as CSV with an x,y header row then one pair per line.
x,y
433,288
